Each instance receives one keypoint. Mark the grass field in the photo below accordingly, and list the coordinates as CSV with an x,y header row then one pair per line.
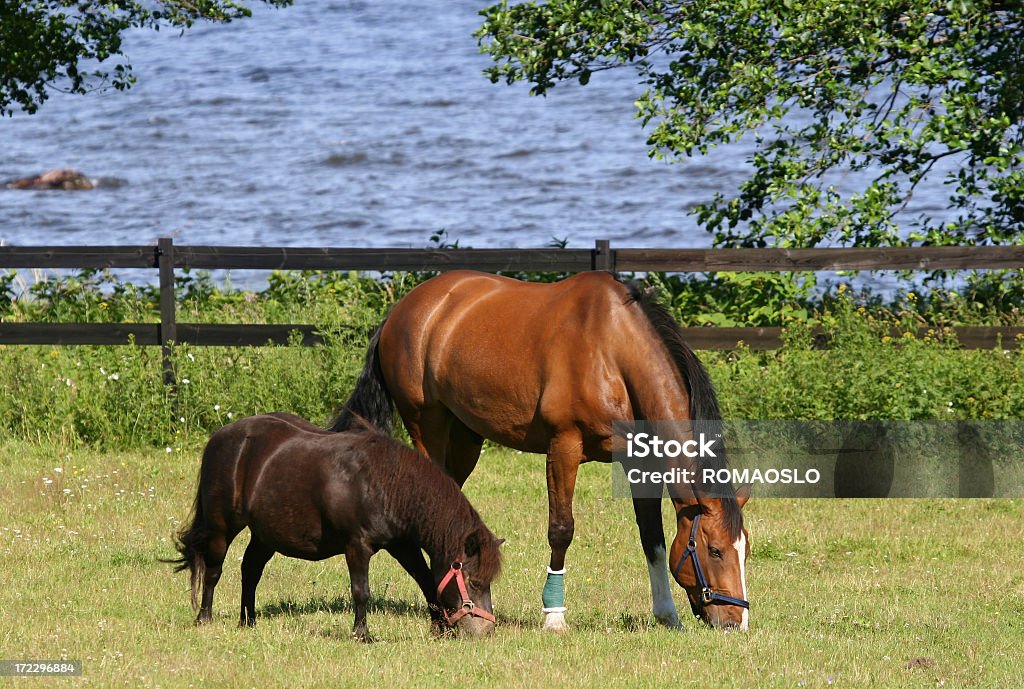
x,y
883,593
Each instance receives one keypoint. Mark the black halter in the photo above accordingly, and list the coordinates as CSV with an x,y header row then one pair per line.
x,y
707,596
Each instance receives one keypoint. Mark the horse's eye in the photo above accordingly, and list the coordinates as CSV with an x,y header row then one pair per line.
x,y
715,552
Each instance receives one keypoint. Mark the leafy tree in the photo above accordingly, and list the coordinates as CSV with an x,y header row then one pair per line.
x,y
64,44
894,91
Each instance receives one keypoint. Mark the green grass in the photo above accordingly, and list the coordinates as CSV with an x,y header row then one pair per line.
x,y
884,593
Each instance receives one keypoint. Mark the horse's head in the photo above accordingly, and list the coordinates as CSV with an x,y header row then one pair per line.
x,y
464,589
708,559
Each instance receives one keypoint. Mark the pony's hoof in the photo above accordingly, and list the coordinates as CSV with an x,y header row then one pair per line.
x,y
555,622
362,638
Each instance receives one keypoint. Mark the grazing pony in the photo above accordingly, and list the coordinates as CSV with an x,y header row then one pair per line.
x,y
309,493
548,368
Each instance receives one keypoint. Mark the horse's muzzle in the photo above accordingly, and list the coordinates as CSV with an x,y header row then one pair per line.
x,y
474,626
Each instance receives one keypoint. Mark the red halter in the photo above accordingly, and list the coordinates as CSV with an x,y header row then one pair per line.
x,y
468,606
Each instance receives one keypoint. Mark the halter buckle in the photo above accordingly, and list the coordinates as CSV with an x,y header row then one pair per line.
x,y
707,595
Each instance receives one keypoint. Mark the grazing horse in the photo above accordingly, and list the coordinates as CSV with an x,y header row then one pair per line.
x,y
548,368
308,493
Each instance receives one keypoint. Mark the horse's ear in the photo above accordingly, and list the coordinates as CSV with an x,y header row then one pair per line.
x,y
472,545
499,541
743,494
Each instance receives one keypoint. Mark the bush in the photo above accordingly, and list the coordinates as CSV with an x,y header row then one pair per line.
x,y
113,397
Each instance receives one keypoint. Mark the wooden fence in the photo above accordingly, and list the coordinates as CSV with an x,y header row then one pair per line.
x,y
166,257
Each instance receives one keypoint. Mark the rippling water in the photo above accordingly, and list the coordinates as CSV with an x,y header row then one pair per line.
x,y
348,124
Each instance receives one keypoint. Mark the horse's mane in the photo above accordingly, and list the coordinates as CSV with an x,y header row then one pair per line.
x,y
704,410
419,489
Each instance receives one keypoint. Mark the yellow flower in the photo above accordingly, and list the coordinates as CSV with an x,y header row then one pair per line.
x,y
886,339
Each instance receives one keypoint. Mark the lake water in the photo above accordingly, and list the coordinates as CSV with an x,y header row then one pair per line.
x,y
349,124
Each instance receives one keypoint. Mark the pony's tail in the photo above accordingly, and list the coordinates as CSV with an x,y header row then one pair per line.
x,y
370,401
192,542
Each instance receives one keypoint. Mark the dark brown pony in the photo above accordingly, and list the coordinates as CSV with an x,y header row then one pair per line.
x,y
308,493
547,368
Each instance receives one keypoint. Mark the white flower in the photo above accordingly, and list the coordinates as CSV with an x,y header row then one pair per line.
x,y
168,450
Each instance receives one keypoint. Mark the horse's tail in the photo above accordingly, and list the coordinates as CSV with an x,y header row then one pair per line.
x,y
192,542
370,401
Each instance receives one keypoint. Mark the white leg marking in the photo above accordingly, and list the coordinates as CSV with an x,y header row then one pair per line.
x,y
661,590
555,622
741,551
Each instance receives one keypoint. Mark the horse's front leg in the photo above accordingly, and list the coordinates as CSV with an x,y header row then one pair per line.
x,y
357,556
411,559
564,456
652,538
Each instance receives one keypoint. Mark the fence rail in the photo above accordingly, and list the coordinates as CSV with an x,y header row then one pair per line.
x,y
166,257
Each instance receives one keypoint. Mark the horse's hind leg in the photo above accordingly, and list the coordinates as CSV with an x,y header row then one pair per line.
x,y
463,451
213,557
652,538
357,556
428,429
255,559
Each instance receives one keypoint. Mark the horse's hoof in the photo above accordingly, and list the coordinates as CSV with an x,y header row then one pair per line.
x,y
555,622
362,638
672,623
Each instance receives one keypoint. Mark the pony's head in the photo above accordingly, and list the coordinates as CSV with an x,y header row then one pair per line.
x,y
708,558
464,587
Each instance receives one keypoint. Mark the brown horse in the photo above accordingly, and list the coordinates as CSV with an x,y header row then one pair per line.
x,y
548,368
308,493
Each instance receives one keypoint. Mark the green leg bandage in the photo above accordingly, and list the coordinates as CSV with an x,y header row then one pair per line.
x,y
553,597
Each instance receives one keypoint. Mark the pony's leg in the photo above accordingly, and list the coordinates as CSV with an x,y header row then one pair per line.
x,y
357,556
564,456
463,451
255,559
411,559
213,557
652,538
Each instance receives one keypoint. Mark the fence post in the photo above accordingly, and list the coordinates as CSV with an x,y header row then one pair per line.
x,y
168,324
603,258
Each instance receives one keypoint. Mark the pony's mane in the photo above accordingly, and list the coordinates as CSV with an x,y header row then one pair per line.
x,y
704,410
417,488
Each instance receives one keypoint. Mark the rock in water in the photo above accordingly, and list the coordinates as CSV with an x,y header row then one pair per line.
x,y
61,178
